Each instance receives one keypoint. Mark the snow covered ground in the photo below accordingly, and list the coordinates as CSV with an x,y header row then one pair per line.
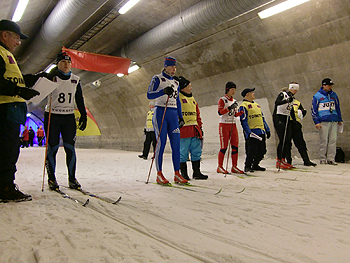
x,y
287,216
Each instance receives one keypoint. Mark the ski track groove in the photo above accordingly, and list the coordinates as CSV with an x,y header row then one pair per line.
x,y
167,242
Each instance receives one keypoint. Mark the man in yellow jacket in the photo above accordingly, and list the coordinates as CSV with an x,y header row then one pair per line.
x,y
13,110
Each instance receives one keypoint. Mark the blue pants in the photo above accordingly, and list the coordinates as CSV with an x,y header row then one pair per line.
x,y
171,128
192,145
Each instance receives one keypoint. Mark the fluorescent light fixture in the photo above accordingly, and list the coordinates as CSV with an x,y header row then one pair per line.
x,y
133,68
49,68
125,8
21,6
280,8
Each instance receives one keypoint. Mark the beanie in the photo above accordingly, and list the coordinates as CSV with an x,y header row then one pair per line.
x,y
169,61
61,56
229,85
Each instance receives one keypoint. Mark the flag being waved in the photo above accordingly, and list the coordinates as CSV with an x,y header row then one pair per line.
x,y
98,62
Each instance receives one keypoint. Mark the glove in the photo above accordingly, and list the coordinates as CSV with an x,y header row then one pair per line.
x,y
144,131
168,90
233,106
82,122
268,135
202,132
237,114
290,99
26,93
181,123
304,112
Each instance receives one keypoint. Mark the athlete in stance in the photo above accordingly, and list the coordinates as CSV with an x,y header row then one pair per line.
x,y
165,90
63,120
227,109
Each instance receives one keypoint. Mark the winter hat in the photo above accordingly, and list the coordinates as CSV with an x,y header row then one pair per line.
x,y
327,81
61,56
183,83
7,25
294,86
229,85
169,61
152,103
245,91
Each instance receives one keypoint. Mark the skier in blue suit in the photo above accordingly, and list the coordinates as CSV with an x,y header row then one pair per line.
x,y
165,90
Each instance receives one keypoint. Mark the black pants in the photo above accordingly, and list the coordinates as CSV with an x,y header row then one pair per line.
x,y
285,137
298,139
9,147
66,126
255,150
150,138
40,141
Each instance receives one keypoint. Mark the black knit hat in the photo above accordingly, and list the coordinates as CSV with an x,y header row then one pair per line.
x,y
183,83
61,56
229,85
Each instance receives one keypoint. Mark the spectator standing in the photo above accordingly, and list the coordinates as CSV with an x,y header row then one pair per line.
x,y
25,137
31,136
149,132
327,117
40,135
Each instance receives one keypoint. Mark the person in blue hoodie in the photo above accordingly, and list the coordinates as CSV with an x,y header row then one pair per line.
x,y
326,115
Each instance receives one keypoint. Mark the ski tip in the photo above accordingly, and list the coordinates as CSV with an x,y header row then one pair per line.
x,y
241,191
218,192
118,200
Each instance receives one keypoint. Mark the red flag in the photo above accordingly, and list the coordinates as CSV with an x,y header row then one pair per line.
x,y
98,62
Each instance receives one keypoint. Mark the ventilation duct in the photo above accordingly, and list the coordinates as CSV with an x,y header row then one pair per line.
x,y
65,18
194,20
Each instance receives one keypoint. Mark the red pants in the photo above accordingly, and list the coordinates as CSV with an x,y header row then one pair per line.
x,y
228,132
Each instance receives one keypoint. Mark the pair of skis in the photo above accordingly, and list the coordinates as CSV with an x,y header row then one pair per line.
x,y
107,200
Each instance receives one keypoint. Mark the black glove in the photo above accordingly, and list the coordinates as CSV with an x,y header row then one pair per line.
x,y
181,123
82,122
268,135
290,99
168,90
202,132
144,131
26,93
233,106
304,112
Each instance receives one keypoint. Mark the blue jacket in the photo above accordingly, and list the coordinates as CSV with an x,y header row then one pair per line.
x,y
325,107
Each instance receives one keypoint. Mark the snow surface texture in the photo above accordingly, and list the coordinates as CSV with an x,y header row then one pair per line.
x,y
287,216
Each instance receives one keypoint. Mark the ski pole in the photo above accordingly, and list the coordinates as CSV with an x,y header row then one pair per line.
x,y
47,142
160,130
283,142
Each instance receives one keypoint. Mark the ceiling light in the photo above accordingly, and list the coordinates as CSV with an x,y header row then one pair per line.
x,y
133,68
280,8
21,6
49,68
125,8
